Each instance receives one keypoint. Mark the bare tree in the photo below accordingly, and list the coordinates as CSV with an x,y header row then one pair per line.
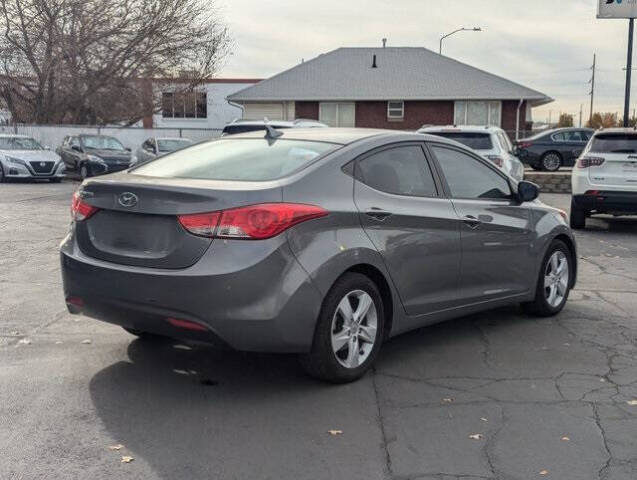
x,y
101,61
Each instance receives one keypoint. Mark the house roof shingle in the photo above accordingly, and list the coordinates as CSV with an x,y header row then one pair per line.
x,y
402,73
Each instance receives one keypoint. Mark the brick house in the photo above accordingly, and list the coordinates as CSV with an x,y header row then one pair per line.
x,y
395,87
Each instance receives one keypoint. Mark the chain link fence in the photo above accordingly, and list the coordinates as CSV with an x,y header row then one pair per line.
x,y
131,137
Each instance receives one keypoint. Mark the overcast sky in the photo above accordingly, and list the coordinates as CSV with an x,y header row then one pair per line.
x,y
547,45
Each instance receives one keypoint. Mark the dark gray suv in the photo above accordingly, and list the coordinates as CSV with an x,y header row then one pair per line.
x,y
322,242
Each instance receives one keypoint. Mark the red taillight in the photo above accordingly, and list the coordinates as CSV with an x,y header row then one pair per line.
x,y
586,162
187,324
497,160
203,224
81,210
254,222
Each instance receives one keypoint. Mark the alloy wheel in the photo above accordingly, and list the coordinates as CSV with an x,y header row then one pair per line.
x,y
354,329
551,162
556,279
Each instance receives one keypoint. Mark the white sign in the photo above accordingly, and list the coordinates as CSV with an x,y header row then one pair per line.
x,y
617,9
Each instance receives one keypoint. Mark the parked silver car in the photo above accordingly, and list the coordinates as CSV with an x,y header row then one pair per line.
x,y
157,146
490,142
323,242
23,157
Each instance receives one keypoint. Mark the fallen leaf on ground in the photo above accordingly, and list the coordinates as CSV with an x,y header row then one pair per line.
x,y
87,341
544,472
566,439
335,432
59,342
126,459
24,341
632,403
447,400
119,446
484,419
476,436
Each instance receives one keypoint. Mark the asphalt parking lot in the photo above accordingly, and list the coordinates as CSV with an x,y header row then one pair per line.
x,y
494,396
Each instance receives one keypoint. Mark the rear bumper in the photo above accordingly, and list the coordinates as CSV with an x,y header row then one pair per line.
x,y
614,202
248,296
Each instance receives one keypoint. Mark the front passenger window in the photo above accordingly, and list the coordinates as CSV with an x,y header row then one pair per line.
x,y
467,177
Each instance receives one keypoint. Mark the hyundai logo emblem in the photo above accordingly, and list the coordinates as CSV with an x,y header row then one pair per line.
x,y
127,199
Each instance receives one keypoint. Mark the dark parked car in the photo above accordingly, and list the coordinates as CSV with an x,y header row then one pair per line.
x,y
322,242
90,155
553,149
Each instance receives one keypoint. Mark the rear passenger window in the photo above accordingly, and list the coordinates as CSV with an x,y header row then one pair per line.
x,y
400,171
467,177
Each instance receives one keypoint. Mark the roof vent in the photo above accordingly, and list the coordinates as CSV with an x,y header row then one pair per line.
x,y
374,62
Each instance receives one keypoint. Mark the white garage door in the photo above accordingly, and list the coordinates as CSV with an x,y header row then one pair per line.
x,y
257,111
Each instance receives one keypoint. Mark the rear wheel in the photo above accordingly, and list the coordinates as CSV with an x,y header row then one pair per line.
x,y
349,331
578,217
554,282
551,161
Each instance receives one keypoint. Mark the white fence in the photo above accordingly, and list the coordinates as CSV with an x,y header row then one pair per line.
x,y
132,137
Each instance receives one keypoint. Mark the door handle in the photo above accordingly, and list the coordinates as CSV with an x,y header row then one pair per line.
x,y
471,222
378,214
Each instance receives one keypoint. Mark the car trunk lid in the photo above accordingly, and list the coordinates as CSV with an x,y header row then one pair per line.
x,y
619,152
137,222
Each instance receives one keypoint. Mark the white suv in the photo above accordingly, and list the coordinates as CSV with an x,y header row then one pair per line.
x,y
490,142
604,178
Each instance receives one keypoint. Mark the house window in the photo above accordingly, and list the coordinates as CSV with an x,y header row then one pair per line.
x,y
395,110
184,105
337,114
478,113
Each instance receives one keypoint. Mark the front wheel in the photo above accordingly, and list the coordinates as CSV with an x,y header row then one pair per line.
x,y
349,331
84,171
554,282
551,162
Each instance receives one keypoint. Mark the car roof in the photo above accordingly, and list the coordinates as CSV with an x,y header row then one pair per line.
x,y
173,138
342,136
566,129
461,128
629,130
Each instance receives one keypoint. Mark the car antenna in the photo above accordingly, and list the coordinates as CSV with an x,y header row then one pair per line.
x,y
271,133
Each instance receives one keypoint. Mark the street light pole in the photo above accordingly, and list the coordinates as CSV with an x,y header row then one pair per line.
x,y
629,68
463,29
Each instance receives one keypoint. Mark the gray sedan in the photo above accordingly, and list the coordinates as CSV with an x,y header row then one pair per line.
x,y
156,147
321,242
22,157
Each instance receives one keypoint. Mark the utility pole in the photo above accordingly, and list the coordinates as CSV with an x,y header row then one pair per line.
x,y
592,94
581,112
629,70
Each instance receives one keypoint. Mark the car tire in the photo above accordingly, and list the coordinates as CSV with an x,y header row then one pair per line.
x,y
553,283
85,172
578,217
551,161
345,344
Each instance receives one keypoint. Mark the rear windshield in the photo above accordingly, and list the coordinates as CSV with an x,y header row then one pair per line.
x,y
614,143
248,159
170,145
477,141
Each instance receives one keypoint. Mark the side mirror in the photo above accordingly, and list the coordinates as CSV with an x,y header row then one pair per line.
x,y
77,148
527,191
